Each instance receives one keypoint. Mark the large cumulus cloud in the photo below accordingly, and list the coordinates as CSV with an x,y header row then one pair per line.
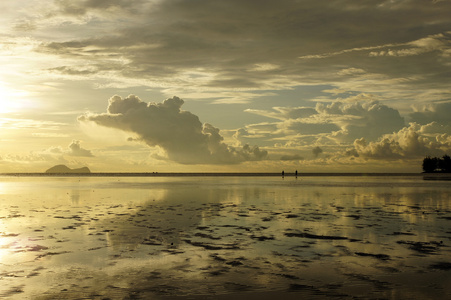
x,y
359,127
341,121
180,133
413,141
369,119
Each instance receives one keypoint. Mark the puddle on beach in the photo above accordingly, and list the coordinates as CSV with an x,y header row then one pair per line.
x,y
224,237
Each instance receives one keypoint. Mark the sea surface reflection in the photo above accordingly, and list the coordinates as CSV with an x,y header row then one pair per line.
x,y
222,237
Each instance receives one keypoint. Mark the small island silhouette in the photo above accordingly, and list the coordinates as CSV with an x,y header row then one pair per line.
x,y
436,168
62,169
437,165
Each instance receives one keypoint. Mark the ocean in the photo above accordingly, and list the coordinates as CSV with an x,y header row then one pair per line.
x,y
222,237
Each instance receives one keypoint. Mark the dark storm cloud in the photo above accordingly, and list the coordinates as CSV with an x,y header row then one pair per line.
x,y
180,133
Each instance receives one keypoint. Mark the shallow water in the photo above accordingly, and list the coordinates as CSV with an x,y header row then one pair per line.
x,y
224,237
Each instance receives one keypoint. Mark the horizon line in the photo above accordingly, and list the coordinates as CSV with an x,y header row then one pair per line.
x,y
211,174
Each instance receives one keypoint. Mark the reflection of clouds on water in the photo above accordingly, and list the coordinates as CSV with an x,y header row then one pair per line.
x,y
185,236
75,197
165,218
406,205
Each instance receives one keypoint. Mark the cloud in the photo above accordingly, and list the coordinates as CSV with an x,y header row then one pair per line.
x,y
49,134
291,157
317,151
229,44
82,7
308,126
236,52
409,142
76,71
358,49
351,72
253,153
435,128
438,42
342,120
367,118
54,150
434,112
180,133
19,123
76,150
34,157
73,149
264,67
283,113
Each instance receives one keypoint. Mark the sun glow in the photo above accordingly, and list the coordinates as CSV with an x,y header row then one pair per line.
x,y
11,100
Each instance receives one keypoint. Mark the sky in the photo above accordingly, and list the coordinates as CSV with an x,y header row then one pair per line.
x,y
224,86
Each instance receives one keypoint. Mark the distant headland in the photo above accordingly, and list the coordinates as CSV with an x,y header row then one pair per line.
x,y
62,169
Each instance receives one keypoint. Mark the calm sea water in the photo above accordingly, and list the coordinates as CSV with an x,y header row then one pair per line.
x,y
224,237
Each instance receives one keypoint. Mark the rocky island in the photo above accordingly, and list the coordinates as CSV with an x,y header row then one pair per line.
x,y
62,169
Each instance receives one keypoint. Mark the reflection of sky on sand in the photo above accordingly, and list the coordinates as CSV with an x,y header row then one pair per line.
x,y
165,237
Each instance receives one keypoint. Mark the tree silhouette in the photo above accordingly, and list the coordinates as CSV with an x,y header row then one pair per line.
x,y
429,164
435,164
444,164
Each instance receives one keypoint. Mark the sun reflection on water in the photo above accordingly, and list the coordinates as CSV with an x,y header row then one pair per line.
x,y
5,243
2,250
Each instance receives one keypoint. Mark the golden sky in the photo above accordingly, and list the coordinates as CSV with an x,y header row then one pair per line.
x,y
209,85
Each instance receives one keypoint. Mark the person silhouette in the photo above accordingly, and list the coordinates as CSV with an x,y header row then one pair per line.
x,y
283,173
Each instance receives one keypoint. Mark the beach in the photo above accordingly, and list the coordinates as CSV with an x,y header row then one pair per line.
x,y
223,237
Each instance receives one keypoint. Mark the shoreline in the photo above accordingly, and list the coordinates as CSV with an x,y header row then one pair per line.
x,y
204,174
437,176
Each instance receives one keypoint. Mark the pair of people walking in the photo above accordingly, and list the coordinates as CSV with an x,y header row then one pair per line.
x,y
295,173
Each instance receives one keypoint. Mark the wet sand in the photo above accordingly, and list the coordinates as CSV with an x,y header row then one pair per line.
x,y
223,238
